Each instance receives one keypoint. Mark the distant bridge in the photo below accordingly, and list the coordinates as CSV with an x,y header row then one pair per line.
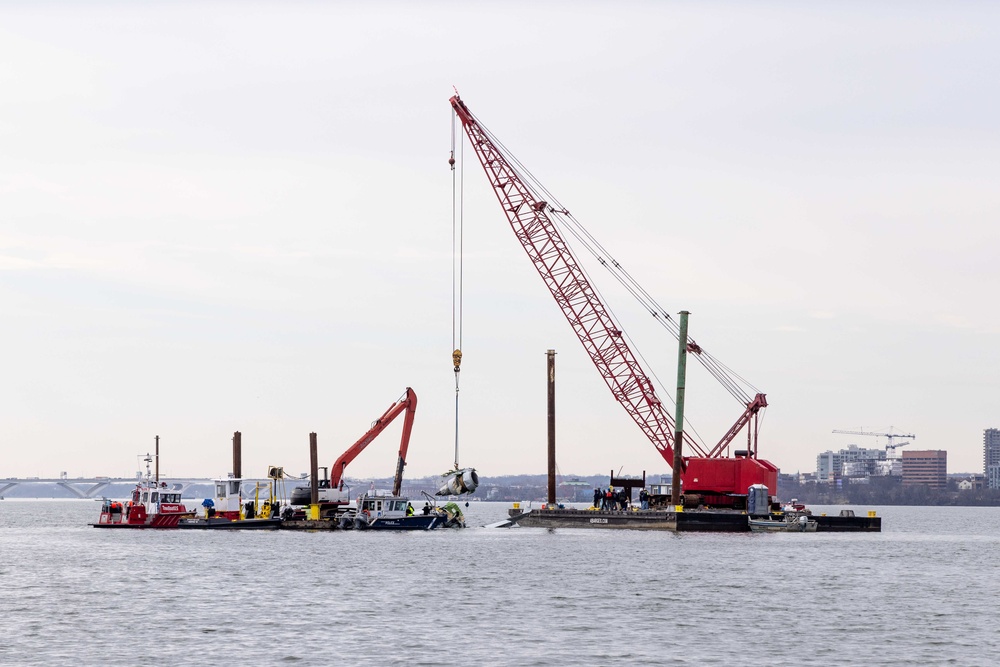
x,y
93,487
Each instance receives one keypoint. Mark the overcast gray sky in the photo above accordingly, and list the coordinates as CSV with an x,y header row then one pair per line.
x,y
237,216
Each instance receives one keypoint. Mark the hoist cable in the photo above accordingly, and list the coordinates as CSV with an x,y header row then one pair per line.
x,y
457,219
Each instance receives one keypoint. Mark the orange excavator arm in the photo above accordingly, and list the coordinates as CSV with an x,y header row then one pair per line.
x,y
408,404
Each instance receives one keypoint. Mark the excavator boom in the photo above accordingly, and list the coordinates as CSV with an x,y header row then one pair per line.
x,y
407,404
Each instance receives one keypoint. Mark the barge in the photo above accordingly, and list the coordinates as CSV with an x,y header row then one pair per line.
x,y
694,521
758,516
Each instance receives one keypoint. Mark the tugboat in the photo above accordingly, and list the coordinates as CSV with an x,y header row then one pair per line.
x,y
152,505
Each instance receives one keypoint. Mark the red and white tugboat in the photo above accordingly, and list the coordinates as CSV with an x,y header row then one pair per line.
x,y
152,505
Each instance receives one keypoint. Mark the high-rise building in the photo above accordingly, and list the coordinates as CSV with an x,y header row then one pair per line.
x,y
991,457
928,467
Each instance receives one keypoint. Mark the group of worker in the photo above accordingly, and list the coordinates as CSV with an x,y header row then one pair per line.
x,y
609,499
119,511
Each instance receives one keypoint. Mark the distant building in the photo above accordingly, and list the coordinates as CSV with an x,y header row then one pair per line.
x,y
829,466
991,457
971,482
928,467
854,462
796,478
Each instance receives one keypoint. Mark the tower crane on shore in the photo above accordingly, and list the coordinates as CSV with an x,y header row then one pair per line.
x,y
889,436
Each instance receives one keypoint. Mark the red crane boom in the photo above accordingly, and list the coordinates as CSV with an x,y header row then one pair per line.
x,y
407,403
601,337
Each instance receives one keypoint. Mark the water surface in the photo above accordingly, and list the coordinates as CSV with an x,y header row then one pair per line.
x,y
921,592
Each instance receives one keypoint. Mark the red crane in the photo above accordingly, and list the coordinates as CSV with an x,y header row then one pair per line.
x,y
407,403
712,473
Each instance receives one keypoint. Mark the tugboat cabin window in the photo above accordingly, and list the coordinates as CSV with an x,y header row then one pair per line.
x,y
234,488
170,498
145,496
154,497
399,505
220,489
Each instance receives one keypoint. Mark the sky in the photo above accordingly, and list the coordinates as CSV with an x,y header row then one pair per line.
x,y
238,216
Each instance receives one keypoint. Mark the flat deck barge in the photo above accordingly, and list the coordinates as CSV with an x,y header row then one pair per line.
x,y
695,521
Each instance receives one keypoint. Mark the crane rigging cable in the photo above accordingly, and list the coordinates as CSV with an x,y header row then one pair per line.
x,y
457,481
457,210
732,382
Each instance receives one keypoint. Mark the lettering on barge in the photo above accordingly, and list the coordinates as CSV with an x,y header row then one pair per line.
x,y
598,521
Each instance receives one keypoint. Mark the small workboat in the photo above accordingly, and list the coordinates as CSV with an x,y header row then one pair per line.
x,y
375,512
789,523
152,505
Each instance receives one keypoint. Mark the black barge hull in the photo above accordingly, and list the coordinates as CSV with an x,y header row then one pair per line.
x,y
227,524
848,524
693,521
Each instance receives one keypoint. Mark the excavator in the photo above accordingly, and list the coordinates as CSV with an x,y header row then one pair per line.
x,y
711,476
333,496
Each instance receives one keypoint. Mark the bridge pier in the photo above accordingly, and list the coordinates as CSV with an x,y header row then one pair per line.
x,y
86,493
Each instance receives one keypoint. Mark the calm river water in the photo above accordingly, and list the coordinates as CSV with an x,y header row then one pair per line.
x,y
924,592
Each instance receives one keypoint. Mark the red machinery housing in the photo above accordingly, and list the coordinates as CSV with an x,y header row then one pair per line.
x,y
721,480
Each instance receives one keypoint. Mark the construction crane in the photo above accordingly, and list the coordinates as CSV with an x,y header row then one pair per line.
x,y
713,474
890,446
